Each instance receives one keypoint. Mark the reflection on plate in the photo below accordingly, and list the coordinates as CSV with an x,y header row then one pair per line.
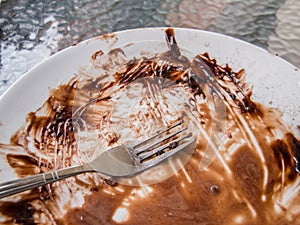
x,y
124,86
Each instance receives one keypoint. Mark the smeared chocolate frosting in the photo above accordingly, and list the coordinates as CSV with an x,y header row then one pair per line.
x,y
251,179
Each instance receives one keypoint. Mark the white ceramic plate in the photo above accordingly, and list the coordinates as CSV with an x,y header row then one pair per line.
x,y
276,83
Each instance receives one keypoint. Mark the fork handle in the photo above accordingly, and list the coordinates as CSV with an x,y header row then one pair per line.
x,y
23,184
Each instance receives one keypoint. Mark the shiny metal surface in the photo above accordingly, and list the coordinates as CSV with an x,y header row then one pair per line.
x,y
31,31
118,162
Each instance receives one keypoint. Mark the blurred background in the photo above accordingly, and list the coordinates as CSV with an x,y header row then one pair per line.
x,y
32,30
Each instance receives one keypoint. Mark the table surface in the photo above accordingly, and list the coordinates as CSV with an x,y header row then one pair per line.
x,y
31,31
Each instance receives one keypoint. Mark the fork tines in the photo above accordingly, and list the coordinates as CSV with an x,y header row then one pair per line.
x,y
164,144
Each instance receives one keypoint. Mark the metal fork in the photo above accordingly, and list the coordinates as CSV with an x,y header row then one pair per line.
x,y
118,162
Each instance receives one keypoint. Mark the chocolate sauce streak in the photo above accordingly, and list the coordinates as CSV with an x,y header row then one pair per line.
x,y
254,179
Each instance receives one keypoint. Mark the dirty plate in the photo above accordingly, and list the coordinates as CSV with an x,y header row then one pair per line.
x,y
274,82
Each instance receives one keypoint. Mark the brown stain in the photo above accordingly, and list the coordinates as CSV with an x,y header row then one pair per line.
x,y
24,165
294,147
96,54
108,35
20,212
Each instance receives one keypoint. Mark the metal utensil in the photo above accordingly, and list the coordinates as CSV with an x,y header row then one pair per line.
x,y
118,162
